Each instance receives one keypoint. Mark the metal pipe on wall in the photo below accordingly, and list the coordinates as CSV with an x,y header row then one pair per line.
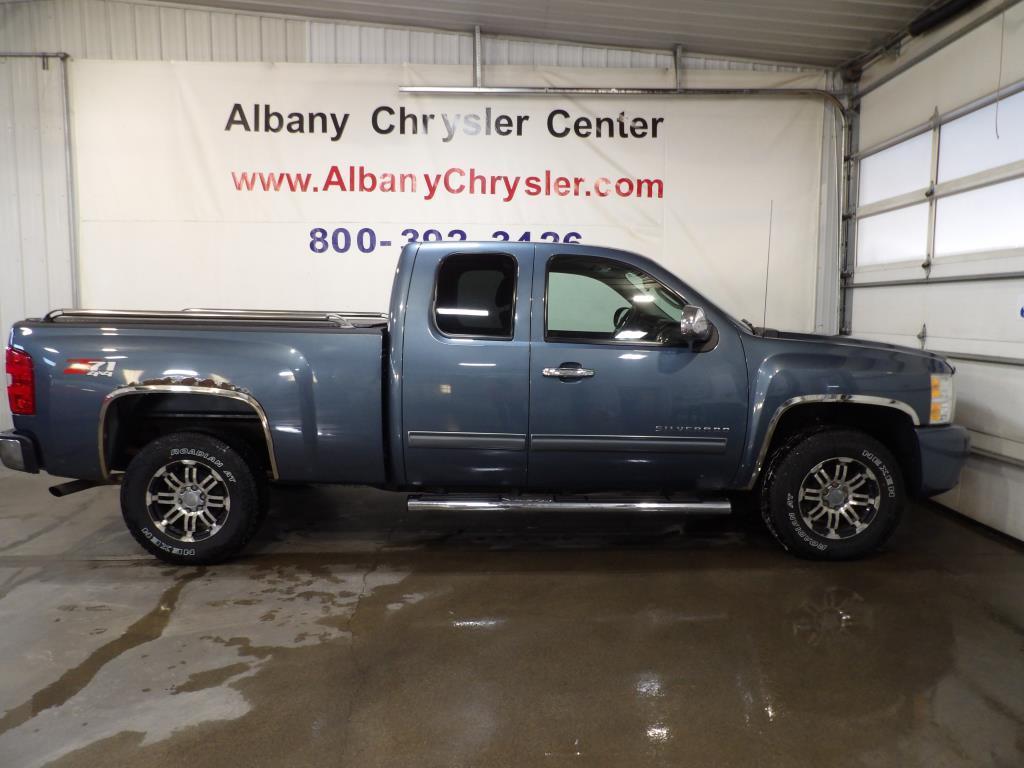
x,y
35,55
69,170
478,58
551,90
76,283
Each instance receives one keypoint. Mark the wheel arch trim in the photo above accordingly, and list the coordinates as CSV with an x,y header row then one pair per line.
x,y
836,399
181,389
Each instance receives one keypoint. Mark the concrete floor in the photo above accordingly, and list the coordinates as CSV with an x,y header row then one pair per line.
x,y
356,633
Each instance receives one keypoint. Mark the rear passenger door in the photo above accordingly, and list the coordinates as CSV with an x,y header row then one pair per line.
x,y
466,366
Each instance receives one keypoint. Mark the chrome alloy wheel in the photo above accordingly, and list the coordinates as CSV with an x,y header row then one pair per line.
x,y
188,500
839,498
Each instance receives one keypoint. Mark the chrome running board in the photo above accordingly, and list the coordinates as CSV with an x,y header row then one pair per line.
x,y
534,503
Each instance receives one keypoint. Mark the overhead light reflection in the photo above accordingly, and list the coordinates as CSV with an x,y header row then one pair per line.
x,y
658,733
649,686
462,312
476,623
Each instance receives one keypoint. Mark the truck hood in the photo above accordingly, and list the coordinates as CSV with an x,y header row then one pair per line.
x,y
847,342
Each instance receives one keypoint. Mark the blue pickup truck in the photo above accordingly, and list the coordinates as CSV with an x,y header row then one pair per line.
x,y
505,376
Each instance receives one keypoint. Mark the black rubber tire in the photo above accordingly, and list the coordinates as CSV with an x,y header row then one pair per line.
x,y
246,484
791,464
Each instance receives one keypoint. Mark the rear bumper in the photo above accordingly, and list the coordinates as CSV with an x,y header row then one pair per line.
x,y
18,452
943,451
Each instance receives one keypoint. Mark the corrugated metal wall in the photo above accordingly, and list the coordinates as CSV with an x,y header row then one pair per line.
x,y
35,226
107,29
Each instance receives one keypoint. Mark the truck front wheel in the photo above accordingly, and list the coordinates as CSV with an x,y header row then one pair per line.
x,y
191,499
836,494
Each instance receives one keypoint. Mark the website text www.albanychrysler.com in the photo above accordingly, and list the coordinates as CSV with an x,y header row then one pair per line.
x,y
451,181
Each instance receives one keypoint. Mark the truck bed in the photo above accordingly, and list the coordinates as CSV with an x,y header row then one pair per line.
x,y
314,379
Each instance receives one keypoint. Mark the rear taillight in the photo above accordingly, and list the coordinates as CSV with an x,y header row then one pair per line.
x,y
21,383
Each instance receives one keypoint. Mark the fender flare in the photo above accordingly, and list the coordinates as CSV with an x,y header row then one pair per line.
x,y
793,402
181,389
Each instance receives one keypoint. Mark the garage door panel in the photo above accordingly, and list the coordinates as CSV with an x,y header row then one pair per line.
x,y
897,311
987,313
902,270
985,320
992,262
993,446
889,338
989,399
958,265
990,492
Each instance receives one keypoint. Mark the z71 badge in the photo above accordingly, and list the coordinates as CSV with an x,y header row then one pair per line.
x,y
82,366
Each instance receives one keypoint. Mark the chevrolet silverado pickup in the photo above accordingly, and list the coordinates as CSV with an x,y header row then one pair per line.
x,y
505,376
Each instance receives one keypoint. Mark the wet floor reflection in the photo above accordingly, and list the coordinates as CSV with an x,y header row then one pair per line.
x,y
526,641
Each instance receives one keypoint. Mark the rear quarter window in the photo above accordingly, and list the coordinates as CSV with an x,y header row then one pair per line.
x,y
475,295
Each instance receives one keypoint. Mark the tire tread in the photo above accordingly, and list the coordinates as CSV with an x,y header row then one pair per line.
x,y
249,482
791,453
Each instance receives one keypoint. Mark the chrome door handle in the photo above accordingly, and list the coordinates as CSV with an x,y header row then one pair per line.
x,y
568,373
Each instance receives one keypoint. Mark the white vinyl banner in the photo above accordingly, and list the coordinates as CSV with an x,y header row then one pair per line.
x,y
295,186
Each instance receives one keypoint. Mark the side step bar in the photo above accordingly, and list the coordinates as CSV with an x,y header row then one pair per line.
x,y
460,503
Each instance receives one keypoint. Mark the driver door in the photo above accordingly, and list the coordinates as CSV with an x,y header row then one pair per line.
x,y
617,401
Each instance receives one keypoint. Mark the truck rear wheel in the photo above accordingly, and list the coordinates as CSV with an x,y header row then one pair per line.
x,y
189,498
833,495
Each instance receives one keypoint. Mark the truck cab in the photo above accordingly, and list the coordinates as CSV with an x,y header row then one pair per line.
x,y
549,367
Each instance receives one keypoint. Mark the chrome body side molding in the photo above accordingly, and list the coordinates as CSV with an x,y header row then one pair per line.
x,y
648,443
884,402
182,389
529,503
483,441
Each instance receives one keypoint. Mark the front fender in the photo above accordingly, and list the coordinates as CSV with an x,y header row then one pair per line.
x,y
786,374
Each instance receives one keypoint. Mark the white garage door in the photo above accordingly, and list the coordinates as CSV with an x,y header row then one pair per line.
x,y
939,256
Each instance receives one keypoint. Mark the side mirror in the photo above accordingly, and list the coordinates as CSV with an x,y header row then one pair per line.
x,y
694,325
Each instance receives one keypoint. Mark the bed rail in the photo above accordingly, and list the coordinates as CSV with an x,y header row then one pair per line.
x,y
193,316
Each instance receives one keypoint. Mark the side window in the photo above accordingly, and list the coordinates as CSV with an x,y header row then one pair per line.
x,y
475,294
591,299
